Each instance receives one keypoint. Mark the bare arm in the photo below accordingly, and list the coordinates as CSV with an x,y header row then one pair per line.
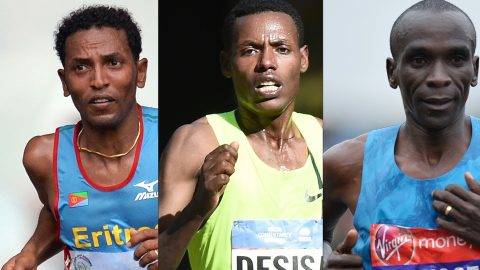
x,y
342,177
37,160
182,213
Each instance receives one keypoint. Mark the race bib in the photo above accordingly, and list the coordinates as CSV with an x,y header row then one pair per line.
x,y
394,247
277,244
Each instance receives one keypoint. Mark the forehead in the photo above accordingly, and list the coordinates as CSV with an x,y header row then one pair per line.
x,y
441,29
269,23
101,41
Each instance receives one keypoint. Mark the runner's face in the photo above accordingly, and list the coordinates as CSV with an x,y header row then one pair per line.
x,y
101,75
435,67
266,62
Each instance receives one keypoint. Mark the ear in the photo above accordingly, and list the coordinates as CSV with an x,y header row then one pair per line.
x,y
225,64
304,62
61,74
392,75
142,66
475,69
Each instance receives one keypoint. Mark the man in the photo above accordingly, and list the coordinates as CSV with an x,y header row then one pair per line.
x,y
97,179
261,162
401,180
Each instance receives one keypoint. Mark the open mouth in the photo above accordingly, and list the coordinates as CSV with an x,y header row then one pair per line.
x,y
101,102
268,87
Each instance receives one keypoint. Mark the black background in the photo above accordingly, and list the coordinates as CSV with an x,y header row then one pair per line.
x,y
191,84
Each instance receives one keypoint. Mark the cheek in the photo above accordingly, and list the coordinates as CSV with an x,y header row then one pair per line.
x,y
410,79
242,74
76,85
290,71
290,63
123,80
465,77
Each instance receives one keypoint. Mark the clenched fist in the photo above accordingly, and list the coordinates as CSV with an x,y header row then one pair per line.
x,y
214,175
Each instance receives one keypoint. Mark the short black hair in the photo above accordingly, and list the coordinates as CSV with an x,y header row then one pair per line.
x,y
248,7
98,16
437,6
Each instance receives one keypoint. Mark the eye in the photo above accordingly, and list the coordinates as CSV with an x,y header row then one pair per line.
x,y
419,61
283,50
80,67
248,51
114,63
458,60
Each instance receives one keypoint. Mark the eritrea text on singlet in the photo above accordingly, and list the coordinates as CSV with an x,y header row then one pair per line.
x,y
95,222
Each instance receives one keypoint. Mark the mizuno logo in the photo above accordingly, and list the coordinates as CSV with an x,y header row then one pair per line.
x,y
150,192
148,186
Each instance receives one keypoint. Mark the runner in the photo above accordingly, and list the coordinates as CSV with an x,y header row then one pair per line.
x,y
417,174
97,179
252,172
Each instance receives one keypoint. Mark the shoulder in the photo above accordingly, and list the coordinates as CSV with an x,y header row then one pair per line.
x,y
38,152
349,148
38,161
195,136
189,145
343,162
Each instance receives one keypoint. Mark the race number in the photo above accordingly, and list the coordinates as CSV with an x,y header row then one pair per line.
x,y
277,244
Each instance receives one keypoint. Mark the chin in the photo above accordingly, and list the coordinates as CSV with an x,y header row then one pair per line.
x,y
107,121
438,122
271,107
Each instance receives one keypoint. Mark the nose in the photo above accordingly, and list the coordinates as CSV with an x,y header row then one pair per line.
x,y
267,60
99,78
438,76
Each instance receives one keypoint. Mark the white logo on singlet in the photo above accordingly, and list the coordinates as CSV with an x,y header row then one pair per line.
x,y
149,194
148,186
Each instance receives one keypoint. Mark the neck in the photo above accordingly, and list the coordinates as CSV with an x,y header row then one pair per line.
x,y
112,140
433,144
278,127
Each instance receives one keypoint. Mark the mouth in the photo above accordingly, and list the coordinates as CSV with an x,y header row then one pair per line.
x,y
438,103
101,101
268,88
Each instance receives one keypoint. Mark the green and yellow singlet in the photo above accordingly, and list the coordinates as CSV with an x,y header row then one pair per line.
x,y
258,191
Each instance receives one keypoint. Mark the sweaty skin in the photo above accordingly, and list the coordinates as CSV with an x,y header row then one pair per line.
x,y
434,68
194,168
101,76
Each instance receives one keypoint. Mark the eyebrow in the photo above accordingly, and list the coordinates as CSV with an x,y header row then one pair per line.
x,y
109,56
279,41
274,42
460,49
419,49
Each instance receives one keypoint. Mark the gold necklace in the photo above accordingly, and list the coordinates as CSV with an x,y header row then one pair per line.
x,y
104,155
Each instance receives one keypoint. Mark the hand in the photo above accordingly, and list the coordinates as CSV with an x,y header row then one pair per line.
x,y
216,170
21,261
463,219
342,257
146,252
